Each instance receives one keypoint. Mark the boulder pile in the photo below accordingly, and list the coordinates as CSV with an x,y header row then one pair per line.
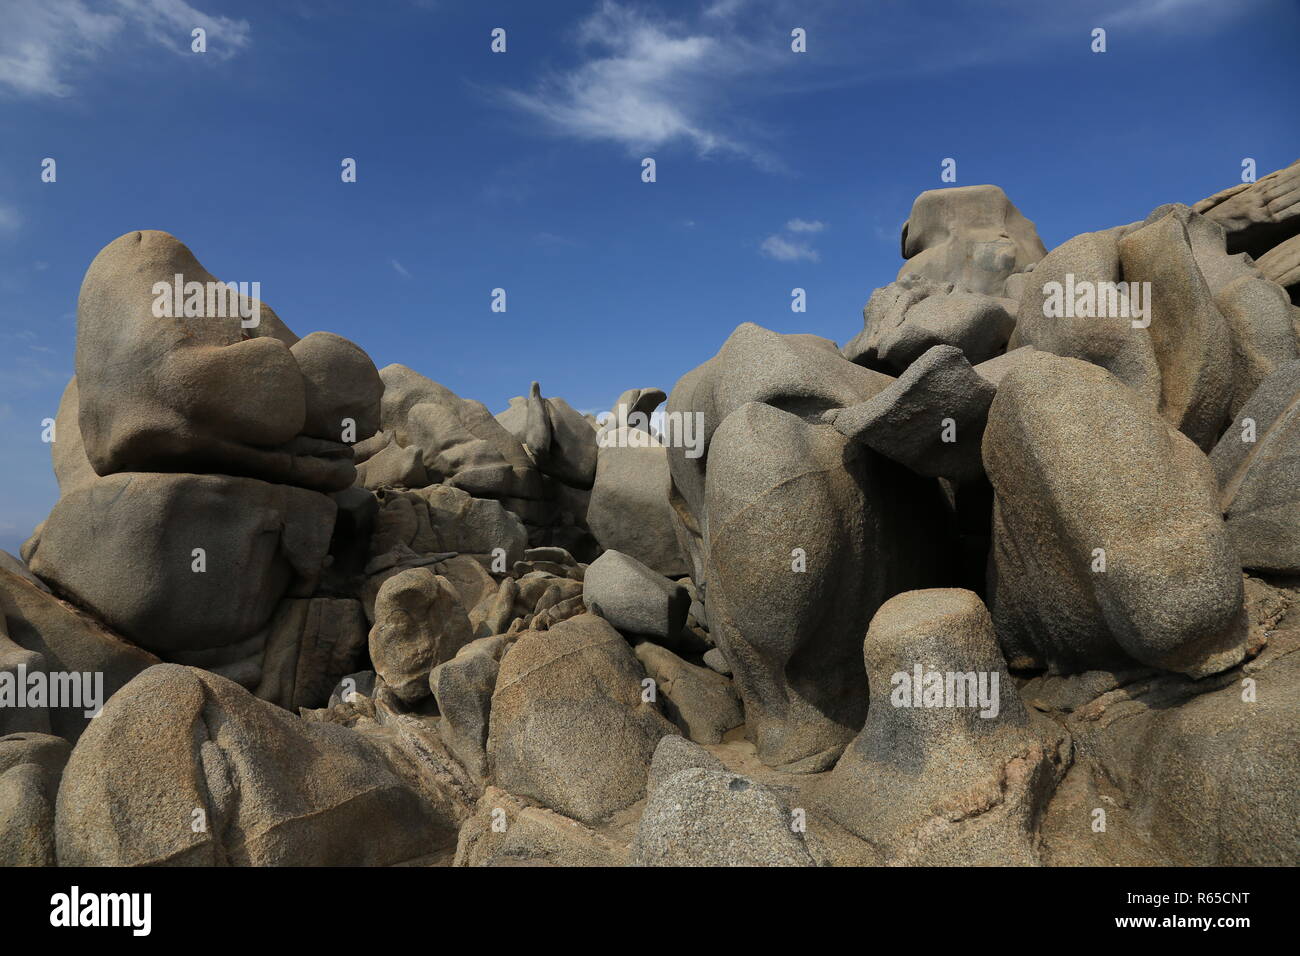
x,y
1011,577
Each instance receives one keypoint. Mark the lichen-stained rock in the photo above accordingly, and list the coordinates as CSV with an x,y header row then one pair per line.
x,y
30,767
807,534
1108,542
569,727
186,768
970,236
1257,216
931,419
700,817
1189,335
703,704
635,599
125,546
950,769
419,623
629,509
192,392
506,831
1076,304
69,641
904,319
1257,463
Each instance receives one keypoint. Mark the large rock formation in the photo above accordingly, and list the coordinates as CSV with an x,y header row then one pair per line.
x,y
966,591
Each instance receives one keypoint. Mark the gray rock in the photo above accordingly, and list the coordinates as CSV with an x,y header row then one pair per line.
x,y
1281,264
1259,481
341,385
30,768
460,442
995,369
792,583
505,831
393,467
66,640
569,701
960,775
313,643
463,689
1102,333
1260,215
701,817
1258,315
1085,470
186,768
1188,333
970,236
931,419
703,704
717,661
629,509
635,599
419,623
261,542
189,393
675,754
906,318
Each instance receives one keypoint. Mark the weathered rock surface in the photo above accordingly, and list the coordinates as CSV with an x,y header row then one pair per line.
x,y
1259,478
125,546
949,768
703,704
633,598
701,817
419,624
931,419
505,831
567,701
187,768
1088,478
970,236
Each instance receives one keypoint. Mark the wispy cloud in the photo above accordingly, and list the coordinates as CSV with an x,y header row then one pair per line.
x,y
805,225
43,41
788,250
400,269
794,243
9,220
647,82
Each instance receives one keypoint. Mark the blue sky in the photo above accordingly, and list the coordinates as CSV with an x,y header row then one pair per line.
x,y
522,170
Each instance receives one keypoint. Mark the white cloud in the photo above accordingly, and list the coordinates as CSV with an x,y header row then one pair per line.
x,y
788,250
651,82
805,225
794,245
9,220
400,269
43,40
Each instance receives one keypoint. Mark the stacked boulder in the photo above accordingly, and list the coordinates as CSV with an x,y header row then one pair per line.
x,y
1010,578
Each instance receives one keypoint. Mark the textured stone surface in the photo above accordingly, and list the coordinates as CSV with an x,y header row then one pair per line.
x,y
567,701
1081,463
